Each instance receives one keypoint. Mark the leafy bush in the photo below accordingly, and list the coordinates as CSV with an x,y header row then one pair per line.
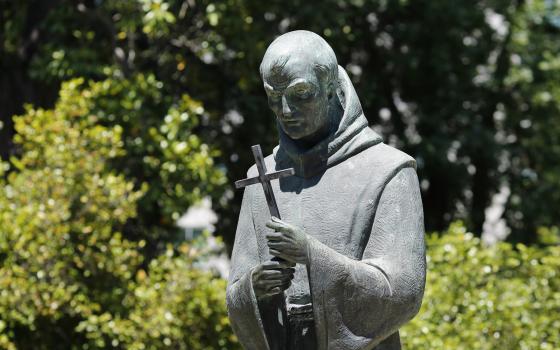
x,y
173,306
73,276
161,148
69,275
499,297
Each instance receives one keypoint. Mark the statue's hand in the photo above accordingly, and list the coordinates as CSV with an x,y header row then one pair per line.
x,y
272,277
288,242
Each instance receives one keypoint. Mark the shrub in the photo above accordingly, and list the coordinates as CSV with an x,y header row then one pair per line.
x,y
499,297
172,306
72,277
69,276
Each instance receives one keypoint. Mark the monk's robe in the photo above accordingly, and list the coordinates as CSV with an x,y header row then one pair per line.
x,y
358,200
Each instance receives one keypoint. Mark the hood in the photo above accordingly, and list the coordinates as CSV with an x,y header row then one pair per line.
x,y
351,137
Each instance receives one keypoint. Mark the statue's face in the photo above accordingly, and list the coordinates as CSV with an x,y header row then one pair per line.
x,y
298,98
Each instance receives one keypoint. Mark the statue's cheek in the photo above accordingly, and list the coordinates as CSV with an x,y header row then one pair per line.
x,y
312,105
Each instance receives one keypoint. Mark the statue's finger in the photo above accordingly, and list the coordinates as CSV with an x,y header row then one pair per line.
x,y
282,240
279,279
278,226
272,264
283,223
277,264
281,255
263,285
273,225
288,271
280,283
274,236
281,245
283,263
270,274
267,284
277,274
285,252
287,276
287,238
275,290
282,252
286,249
276,253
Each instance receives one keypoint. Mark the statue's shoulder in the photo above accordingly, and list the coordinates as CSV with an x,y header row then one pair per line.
x,y
384,156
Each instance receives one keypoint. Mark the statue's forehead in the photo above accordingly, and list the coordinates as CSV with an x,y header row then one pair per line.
x,y
292,69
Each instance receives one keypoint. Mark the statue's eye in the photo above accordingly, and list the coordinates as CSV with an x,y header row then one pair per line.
x,y
303,93
274,95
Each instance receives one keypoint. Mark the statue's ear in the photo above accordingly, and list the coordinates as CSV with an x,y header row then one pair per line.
x,y
331,90
323,75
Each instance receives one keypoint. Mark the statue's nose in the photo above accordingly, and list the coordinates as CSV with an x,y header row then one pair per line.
x,y
285,107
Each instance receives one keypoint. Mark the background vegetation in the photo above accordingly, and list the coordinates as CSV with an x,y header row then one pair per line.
x,y
500,297
131,111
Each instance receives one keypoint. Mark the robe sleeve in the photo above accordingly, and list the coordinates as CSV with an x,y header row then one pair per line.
x,y
360,303
240,297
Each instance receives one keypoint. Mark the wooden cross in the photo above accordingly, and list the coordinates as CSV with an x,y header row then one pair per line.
x,y
264,178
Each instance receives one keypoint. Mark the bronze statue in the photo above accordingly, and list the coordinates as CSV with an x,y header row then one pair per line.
x,y
344,267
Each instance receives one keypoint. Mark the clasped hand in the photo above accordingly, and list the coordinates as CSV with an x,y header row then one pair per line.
x,y
287,242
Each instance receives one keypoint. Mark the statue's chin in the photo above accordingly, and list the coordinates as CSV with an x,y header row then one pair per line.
x,y
306,139
297,136
293,133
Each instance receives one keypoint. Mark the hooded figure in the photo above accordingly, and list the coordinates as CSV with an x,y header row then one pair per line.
x,y
352,219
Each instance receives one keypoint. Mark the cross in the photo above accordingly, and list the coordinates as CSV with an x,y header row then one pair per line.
x,y
278,300
264,178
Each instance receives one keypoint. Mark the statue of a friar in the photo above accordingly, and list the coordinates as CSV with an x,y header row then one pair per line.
x,y
346,261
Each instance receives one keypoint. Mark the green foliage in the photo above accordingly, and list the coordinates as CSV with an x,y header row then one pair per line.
x,y
162,149
499,297
69,275
531,115
173,306
57,212
468,88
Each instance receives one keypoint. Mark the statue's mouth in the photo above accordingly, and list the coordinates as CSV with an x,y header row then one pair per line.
x,y
291,121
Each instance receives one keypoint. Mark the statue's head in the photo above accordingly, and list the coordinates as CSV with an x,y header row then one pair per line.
x,y
299,72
